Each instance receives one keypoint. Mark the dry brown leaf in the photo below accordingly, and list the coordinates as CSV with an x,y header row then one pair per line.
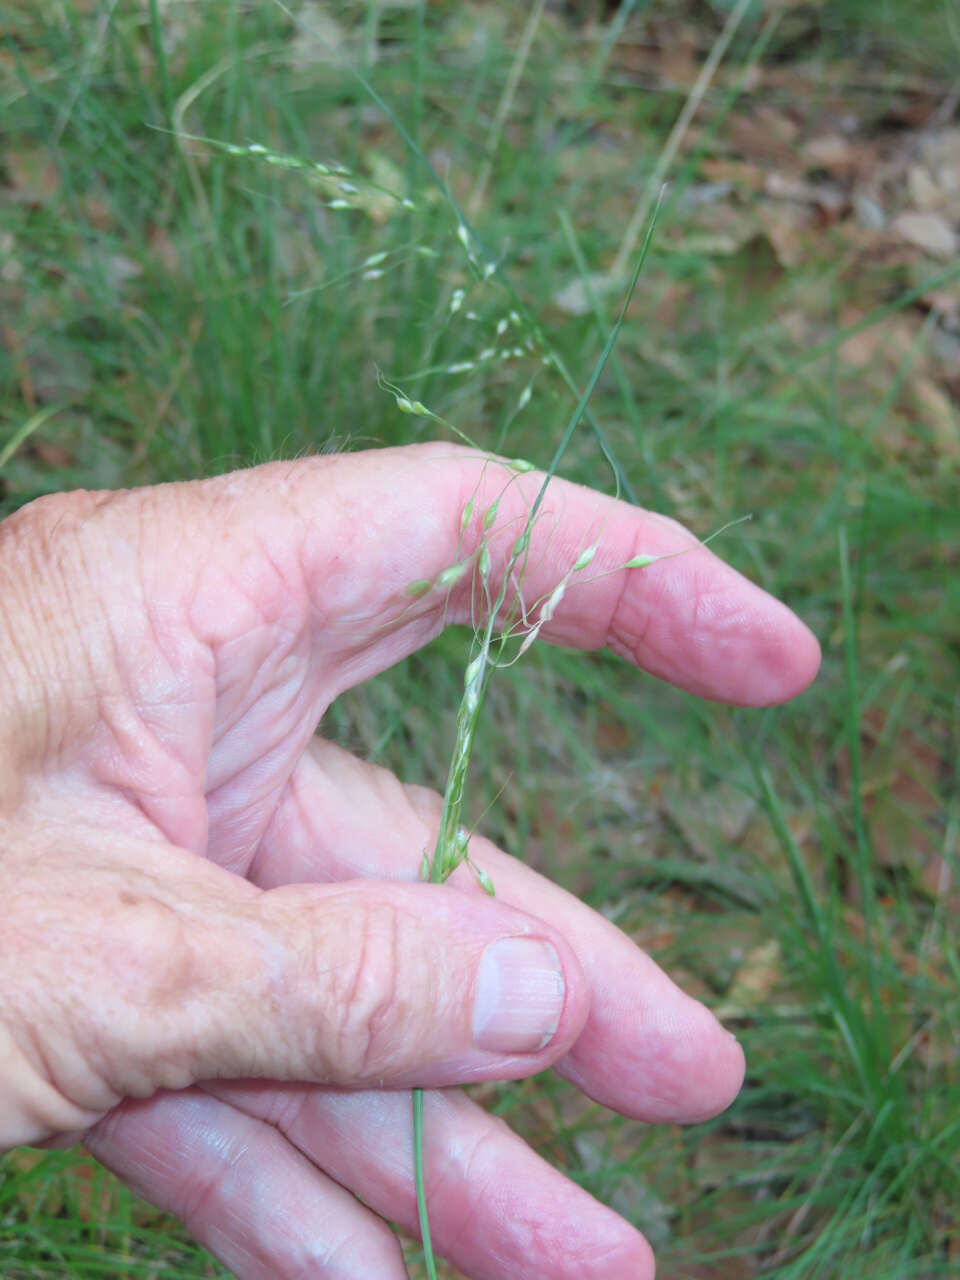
x,y
840,156
164,249
941,155
787,226
678,63
885,343
707,817
754,981
575,298
33,175
741,173
765,135
98,211
900,791
930,232
50,453
828,196
11,268
925,194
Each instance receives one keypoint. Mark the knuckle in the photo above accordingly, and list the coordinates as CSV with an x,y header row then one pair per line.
x,y
141,1035
370,992
44,527
145,945
89,1020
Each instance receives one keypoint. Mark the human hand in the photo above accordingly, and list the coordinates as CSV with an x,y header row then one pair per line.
x,y
201,897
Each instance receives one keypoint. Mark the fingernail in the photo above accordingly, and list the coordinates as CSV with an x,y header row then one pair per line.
x,y
519,998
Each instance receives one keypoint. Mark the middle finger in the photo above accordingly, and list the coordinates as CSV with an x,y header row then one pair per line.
x,y
648,1050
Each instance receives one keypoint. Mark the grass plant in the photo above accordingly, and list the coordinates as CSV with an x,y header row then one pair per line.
x,y
169,308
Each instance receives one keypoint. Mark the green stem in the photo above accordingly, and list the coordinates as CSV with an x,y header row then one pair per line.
x,y
446,854
156,35
421,1185
865,872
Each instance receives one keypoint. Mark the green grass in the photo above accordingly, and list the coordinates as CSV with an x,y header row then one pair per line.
x,y
174,311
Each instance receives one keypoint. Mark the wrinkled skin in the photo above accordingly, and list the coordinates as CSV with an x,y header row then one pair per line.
x,y
217,957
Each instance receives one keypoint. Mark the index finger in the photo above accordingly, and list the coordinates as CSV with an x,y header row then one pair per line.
x,y
689,619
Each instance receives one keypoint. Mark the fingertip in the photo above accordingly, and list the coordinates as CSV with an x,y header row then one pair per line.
x,y
629,1256
785,659
708,1066
655,1054
721,1073
636,1259
806,659
646,1262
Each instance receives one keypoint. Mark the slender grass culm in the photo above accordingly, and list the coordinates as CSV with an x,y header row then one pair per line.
x,y
491,639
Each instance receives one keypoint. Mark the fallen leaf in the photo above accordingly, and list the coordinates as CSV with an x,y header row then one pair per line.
x,y
885,344
925,194
33,175
740,173
941,155
839,156
765,135
575,298
99,212
930,232
11,268
787,227
51,454
753,982
825,195
708,818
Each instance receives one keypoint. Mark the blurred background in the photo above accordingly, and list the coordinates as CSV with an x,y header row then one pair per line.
x,y
219,220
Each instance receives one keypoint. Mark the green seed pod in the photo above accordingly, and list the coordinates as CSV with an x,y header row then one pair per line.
x,y
453,574
585,557
485,882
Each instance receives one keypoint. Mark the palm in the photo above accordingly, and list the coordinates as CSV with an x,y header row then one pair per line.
x,y
278,590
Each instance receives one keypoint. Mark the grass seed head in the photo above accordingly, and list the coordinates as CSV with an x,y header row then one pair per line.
x,y
585,558
451,576
485,882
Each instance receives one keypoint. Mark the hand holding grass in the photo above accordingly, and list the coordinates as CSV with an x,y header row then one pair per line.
x,y
201,897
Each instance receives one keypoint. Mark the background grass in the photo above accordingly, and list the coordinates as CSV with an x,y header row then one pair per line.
x,y
168,310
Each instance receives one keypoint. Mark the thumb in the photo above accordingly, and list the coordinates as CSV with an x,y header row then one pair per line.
x,y
157,981
372,984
